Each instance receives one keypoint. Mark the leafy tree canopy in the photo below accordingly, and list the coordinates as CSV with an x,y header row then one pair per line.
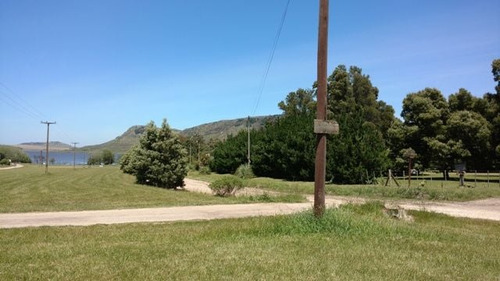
x,y
352,92
298,102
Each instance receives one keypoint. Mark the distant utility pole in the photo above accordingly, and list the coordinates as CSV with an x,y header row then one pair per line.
x,y
320,163
74,154
248,140
47,147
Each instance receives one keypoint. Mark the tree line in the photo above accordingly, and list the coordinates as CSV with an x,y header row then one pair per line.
x,y
463,129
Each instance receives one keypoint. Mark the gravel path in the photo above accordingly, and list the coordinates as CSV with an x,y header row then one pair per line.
x,y
186,213
15,166
488,209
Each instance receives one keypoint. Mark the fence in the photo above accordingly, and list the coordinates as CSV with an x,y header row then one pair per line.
x,y
472,178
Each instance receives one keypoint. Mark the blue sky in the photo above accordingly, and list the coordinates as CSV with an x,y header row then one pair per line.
x,y
99,67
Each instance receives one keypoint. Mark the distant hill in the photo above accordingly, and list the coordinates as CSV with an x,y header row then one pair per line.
x,y
121,143
53,145
221,129
215,130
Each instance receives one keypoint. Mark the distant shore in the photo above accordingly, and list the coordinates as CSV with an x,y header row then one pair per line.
x,y
42,147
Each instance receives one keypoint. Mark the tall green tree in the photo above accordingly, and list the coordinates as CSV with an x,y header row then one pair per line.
x,y
285,148
357,153
228,155
493,113
340,94
473,132
462,100
159,159
495,69
352,91
424,114
107,157
299,102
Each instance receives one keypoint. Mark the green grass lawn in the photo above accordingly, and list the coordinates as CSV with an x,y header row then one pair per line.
x,y
29,189
351,243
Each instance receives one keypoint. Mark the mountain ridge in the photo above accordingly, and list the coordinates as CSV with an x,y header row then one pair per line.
x,y
218,130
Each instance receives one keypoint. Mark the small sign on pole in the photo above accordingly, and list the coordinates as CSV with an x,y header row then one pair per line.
x,y
326,127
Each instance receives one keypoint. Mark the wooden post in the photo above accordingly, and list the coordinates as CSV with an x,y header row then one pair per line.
x,y
320,162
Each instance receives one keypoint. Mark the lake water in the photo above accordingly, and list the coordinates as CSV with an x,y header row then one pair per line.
x,y
60,157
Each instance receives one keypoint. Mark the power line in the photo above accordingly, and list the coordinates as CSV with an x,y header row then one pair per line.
x,y
17,106
271,57
17,102
14,105
264,76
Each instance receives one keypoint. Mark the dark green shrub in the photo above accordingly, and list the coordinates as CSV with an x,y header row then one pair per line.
x,y
226,186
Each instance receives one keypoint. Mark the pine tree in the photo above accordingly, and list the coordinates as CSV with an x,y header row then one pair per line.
x,y
159,159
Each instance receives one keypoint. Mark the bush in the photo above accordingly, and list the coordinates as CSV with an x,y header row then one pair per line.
x,y
5,162
226,186
15,154
106,157
244,171
205,170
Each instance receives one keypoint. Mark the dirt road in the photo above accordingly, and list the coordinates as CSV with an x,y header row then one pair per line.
x,y
15,166
482,209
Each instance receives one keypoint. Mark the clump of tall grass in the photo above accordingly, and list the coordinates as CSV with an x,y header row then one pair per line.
x,y
226,186
245,172
345,220
266,198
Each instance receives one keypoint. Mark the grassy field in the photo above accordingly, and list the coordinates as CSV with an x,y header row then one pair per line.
x,y
29,189
350,243
421,188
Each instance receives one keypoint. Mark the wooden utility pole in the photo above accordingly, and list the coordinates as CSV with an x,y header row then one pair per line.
x,y
74,154
248,140
320,164
47,146
410,154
